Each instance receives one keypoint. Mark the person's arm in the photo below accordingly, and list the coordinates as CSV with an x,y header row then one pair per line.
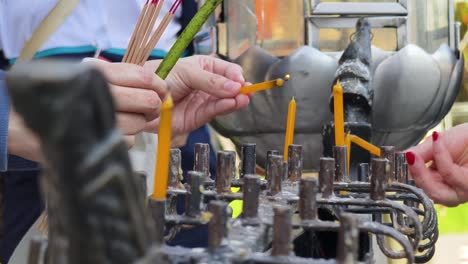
x,y
4,119
202,88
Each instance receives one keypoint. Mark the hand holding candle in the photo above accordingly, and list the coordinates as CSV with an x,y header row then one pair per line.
x,y
264,85
290,124
165,124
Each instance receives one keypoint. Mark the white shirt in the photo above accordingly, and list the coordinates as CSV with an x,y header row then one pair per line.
x,y
120,16
93,23
19,19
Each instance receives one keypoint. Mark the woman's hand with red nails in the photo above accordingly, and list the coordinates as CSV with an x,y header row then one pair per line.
x,y
445,180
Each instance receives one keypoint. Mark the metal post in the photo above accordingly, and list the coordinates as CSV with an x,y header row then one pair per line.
x,y
202,159
225,171
363,172
294,162
194,195
267,163
281,231
341,161
285,171
388,152
405,175
400,161
251,194
217,229
157,208
348,238
379,170
308,189
249,159
326,175
175,168
277,168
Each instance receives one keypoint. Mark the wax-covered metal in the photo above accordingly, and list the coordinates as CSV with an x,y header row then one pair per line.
x,y
100,205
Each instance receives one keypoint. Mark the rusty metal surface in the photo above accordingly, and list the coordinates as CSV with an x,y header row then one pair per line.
x,y
225,171
326,176
388,152
276,177
248,159
218,224
294,162
202,160
341,163
251,191
175,169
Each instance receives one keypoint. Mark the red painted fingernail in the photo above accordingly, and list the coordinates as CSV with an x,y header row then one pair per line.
x,y
435,136
410,157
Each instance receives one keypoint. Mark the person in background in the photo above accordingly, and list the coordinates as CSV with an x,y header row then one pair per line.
x,y
136,114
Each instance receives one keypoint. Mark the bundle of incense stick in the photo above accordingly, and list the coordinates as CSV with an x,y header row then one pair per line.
x,y
143,40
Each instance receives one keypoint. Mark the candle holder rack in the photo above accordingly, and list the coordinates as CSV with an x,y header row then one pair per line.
x,y
267,223
98,213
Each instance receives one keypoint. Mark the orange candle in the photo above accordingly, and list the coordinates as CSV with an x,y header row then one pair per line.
x,y
164,144
365,145
264,85
290,124
338,114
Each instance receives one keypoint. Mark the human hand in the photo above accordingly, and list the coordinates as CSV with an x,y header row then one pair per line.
x,y
446,179
136,92
202,88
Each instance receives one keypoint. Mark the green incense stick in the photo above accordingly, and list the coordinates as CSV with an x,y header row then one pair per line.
x,y
186,37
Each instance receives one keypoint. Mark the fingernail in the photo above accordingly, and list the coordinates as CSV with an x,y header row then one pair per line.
x,y
231,86
435,136
410,157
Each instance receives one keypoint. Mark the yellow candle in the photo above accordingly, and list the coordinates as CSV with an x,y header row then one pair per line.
x,y
290,124
338,114
164,144
365,145
264,85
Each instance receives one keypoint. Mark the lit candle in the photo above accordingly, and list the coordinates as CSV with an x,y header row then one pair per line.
x,y
290,124
164,145
338,114
365,145
264,85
